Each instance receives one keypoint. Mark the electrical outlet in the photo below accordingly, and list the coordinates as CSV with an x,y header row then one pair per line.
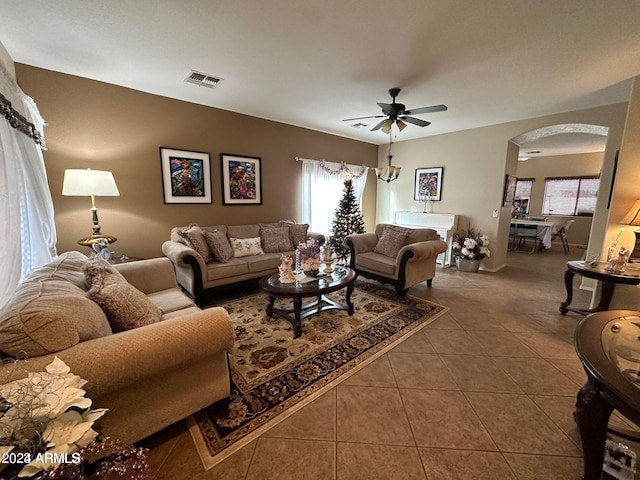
x,y
495,214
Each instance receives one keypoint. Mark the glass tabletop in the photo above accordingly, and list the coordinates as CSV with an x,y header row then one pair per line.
x,y
621,345
325,280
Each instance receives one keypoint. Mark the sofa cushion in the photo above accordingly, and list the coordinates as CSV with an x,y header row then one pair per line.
x,y
233,268
392,240
219,245
243,247
125,306
170,300
377,263
66,266
194,237
262,263
275,239
49,313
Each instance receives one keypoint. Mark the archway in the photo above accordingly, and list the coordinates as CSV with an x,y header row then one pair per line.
x,y
562,150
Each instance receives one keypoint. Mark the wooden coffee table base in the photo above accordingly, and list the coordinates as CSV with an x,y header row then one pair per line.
x,y
300,312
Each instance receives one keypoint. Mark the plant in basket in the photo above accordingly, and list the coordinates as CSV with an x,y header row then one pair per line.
x,y
470,245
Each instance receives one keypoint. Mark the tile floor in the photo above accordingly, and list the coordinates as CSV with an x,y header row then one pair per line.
x,y
486,392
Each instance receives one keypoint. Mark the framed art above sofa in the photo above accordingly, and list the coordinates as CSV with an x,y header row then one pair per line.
x,y
186,176
241,179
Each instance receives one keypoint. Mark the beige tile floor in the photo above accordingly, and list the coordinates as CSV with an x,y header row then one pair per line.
x,y
486,392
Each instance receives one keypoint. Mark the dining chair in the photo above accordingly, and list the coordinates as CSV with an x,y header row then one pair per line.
x,y
524,232
562,235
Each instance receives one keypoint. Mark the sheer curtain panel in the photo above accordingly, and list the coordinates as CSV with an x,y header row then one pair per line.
x,y
322,186
27,226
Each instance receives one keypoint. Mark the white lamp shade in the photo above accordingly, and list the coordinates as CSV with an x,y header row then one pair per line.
x,y
84,183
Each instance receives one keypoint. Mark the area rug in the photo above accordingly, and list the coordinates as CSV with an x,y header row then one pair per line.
x,y
274,375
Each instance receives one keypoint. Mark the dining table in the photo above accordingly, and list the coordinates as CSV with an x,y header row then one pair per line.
x,y
544,229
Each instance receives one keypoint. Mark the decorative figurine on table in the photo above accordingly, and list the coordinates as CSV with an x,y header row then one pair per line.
x,y
286,275
101,247
328,261
618,264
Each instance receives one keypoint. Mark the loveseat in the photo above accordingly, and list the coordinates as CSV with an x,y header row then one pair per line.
x,y
148,377
208,257
400,256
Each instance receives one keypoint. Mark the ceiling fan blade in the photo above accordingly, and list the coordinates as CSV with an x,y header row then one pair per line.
x,y
416,121
378,126
362,118
387,108
433,108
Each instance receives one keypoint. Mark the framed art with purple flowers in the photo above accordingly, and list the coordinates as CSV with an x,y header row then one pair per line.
x,y
241,179
186,176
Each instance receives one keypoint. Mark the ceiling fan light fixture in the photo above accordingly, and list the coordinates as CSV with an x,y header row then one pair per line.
x,y
386,126
401,125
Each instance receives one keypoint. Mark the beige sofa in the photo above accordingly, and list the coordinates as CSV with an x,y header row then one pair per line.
x,y
199,275
148,377
402,257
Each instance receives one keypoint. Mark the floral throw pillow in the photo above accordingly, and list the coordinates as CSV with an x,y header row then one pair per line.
x,y
243,247
391,241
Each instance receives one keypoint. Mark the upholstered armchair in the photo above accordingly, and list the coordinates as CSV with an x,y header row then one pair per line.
x,y
400,256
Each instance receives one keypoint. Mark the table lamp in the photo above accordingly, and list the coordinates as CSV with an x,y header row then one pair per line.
x,y
90,183
633,218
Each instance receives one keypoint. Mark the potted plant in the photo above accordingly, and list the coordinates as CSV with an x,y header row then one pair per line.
x,y
469,248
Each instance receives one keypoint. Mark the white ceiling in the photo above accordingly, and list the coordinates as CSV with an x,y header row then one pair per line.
x,y
313,64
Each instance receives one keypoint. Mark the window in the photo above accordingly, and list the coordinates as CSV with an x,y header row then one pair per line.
x,y
322,187
570,196
524,186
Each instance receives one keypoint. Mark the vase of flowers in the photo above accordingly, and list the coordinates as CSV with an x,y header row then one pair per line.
x,y
469,248
309,254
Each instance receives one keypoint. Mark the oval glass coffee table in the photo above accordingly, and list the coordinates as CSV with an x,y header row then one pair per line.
x,y
340,278
608,345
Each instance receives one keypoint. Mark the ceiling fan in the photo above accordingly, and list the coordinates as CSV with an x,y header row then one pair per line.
x,y
396,113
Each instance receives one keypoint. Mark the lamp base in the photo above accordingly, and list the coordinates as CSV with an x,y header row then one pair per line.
x,y
88,241
635,255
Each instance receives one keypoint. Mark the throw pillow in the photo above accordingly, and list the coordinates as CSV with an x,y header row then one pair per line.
x,y
194,237
275,239
298,233
243,247
125,306
391,241
219,246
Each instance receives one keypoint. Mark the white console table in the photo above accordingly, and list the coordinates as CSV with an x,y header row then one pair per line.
x,y
443,223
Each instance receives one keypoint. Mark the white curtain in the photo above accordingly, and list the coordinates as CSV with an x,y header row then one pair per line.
x,y
27,227
322,188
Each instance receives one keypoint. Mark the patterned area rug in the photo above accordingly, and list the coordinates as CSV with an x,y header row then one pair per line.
x,y
274,375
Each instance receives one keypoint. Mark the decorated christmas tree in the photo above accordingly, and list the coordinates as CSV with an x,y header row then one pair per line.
x,y
347,220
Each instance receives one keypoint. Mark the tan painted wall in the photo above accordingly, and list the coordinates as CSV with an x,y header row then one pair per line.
x,y
475,163
102,126
559,166
626,192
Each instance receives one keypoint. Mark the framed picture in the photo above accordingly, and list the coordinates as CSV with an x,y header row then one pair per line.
x,y
509,190
521,206
186,176
428,185
241,179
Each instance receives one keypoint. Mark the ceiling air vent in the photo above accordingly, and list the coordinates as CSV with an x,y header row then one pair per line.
x,y
359,125
202,79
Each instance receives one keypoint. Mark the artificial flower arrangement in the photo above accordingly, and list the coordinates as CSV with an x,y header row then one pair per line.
x,y
46,431
470,245
309,253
